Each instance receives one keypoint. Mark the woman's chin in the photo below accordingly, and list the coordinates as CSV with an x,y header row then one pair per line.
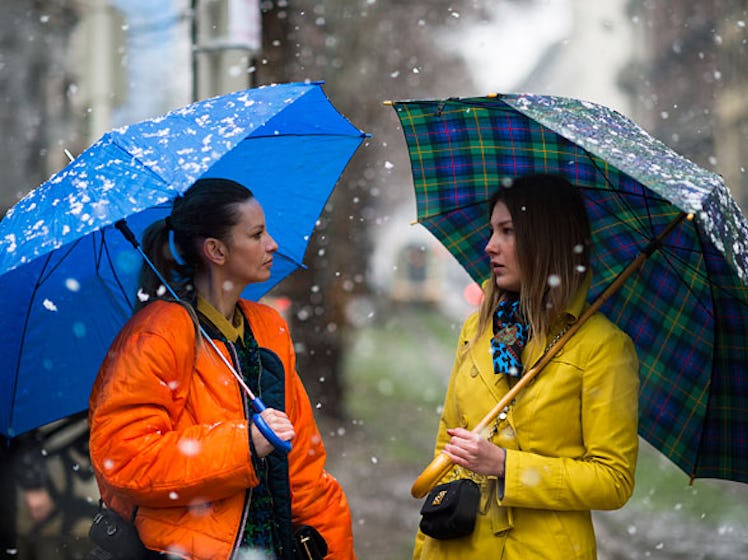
x,y
507,285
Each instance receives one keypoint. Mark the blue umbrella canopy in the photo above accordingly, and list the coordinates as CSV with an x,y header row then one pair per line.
x,y
68,278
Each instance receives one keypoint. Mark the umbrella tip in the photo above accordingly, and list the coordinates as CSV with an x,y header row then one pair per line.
x,y
67,153
690,216
387,103
492,95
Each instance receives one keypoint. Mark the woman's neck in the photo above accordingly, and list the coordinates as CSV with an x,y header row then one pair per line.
x,y
215,292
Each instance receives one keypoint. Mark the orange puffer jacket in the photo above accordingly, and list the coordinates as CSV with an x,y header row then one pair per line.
x,y
169,434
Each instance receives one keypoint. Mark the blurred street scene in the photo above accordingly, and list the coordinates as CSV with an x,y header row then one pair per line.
x,y
377,312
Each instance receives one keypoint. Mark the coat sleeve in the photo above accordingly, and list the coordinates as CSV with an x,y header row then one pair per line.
x,y
317,497
603,476
135,405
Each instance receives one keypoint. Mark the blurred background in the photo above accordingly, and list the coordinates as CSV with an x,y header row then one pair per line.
x,y
377,313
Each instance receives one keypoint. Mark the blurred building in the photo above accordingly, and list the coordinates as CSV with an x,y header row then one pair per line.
x,y
421,268
409,266
586,62
731,108
97,60
227,38
687,81
37,80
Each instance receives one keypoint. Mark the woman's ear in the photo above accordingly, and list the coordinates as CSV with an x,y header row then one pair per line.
x,y
214,251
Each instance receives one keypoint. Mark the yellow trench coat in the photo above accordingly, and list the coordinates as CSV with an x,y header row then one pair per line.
x,y
571,441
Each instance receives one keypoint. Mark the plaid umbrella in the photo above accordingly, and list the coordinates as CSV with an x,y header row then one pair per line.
x,y
686,307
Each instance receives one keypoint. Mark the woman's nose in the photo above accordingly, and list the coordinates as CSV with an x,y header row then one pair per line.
x,y
272,246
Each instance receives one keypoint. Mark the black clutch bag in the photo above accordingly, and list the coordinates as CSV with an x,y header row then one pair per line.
x,y
450,509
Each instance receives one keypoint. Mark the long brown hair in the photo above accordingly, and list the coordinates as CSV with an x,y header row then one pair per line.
x,y
552,240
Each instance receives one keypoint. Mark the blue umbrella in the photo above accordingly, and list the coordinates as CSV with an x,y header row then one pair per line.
x,y
68,277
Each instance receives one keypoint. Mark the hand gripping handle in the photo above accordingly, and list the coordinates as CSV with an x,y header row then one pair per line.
x,y
266,430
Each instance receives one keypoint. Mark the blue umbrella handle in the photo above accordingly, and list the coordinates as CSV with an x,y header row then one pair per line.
x,y
267,431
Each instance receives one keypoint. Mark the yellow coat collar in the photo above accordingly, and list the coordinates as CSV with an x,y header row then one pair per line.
x,y
233,330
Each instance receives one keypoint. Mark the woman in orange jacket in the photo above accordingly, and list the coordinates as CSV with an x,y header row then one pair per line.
x,y
172,441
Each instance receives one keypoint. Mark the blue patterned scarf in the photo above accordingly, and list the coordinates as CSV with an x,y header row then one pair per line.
x,y
509,338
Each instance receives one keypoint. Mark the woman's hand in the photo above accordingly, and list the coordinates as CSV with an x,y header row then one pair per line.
x,y
475,453
279,423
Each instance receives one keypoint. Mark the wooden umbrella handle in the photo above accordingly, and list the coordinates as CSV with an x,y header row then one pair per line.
x,y
441,464
436,470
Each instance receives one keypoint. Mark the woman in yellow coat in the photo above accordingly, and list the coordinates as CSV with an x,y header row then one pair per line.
x,y
568,443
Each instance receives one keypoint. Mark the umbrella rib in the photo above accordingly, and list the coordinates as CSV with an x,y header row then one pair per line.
x,y
642,229
684,265
668,256
423,218
290,259
114,142
14,391
307,135
593,159
105,251
715,318
46,272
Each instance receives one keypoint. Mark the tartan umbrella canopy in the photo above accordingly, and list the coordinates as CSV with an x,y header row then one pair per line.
x,y
686,307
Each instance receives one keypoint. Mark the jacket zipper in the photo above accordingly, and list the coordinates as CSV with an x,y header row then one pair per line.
x,y
263,461
247,416
266,465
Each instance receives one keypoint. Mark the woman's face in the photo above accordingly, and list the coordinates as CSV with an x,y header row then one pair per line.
x,y
250,247
501,250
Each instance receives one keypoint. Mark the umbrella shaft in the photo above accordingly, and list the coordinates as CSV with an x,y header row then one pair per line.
x,y
655,244
233,371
